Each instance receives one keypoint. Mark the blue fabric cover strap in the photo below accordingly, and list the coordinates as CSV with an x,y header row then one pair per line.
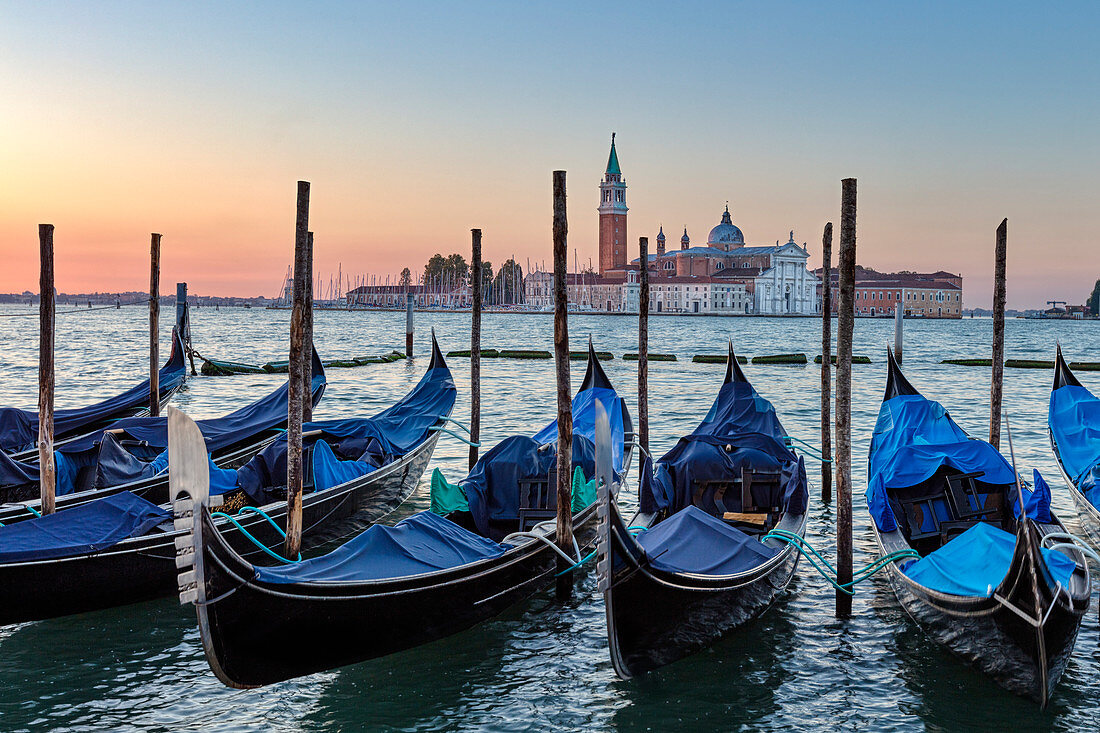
x,y
692,541
89,528
914,437
422,543
1074,419
975,563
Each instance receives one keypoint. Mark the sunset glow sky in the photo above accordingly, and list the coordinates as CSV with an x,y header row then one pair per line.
x,y
415,122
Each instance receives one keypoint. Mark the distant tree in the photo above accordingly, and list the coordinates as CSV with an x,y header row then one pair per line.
x,y
1094,299
487,283
406,278
434,269
457,269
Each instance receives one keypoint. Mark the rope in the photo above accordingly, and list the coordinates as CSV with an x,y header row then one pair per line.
x,y
456,422
247,534
810,449
456,436
808,551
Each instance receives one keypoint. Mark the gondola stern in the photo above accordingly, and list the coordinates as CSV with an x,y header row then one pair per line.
x,y
437,362
896,383
1063,376
733,368
594,375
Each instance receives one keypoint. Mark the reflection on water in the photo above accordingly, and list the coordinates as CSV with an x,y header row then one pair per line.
x,y
543,665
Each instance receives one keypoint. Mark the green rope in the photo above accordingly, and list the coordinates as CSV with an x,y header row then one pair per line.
x,y
576,565
247,534
811,450
33,511
864,573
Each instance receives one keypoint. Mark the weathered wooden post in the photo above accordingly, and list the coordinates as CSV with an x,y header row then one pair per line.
x,y
998,336
154,325
565,402
899,326
845,326
475,345
826,364
408,326
643,344
297,383
46,469
307,333
183,318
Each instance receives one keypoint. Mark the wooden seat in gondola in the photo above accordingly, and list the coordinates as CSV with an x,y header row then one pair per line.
x,y
733,500
961,503
538,500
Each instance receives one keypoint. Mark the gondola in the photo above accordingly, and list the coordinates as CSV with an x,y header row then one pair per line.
x,y
19,428
971,564
131,455
1073,422
697,560
396,587
122,548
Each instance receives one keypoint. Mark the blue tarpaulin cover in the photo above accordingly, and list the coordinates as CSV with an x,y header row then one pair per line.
x,y
584,421
975,563
693,541
1074,419
1036,501
89,528
348,449
913,438
19,428
115,465
422,543
492,486
745,421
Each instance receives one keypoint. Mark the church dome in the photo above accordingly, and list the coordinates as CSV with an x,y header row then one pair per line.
x,y
726,233
661,235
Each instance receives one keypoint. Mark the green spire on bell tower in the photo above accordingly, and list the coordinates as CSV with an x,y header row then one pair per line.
x,y
613,160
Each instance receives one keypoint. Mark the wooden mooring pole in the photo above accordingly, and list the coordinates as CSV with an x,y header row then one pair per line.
x,y
845,327
565,402
899,328
293,543
307,333
154,325
998,336
183,318
826,364
643,344
46,468
408,326
475,344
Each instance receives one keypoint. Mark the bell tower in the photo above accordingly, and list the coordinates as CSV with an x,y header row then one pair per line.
x,y
612,215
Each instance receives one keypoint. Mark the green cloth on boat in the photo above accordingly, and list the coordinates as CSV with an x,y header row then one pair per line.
x,y
447,497
584,492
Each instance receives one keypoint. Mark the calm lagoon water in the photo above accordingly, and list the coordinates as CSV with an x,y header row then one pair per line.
x,y
542,665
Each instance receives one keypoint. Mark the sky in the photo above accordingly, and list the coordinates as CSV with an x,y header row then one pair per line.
x,y
415,122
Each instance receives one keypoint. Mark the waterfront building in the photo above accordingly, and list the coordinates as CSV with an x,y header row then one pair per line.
x,y
922,294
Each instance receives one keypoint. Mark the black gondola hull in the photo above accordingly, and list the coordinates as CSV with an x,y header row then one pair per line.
x,y
655,618
259,633
999,635
144,568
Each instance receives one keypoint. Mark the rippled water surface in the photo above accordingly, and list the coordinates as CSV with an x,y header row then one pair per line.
x,y
543,665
